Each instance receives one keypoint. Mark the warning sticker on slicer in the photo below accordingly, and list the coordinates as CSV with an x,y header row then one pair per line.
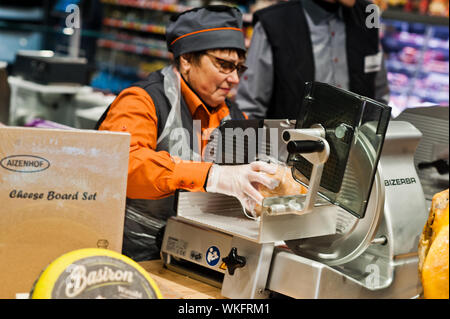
x,y
177,246
212,255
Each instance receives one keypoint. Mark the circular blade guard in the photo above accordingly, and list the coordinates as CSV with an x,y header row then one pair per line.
x,y
353,235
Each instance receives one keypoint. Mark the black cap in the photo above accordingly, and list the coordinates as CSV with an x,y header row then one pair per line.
x,y
204,28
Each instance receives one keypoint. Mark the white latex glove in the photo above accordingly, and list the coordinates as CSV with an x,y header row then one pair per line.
x,y
236,180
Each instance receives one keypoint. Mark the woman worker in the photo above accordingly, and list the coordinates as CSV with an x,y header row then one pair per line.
x,y
169,114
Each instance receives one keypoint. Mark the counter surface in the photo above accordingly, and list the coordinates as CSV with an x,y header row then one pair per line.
x,y
176,286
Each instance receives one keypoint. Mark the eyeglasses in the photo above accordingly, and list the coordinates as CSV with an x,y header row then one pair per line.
x,y
227,67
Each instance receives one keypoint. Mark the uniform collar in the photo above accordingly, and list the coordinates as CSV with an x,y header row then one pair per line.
x,y
319,15
193,101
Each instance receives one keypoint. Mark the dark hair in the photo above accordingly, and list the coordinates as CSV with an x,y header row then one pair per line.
x,y
194,57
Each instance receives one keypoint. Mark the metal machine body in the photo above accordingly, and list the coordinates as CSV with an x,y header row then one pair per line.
x,y
382,265
433,148
385,263
343,244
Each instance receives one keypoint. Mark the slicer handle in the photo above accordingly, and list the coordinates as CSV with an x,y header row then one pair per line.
x,y
305,147
441,165
234,261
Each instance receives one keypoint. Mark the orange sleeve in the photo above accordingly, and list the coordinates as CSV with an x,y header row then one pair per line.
x,y
151,174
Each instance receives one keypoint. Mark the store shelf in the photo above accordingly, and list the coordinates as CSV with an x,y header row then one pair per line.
x,y
152,5
34,14
156,5
137,26
399,66
136,40
132,48
417,59
418,41
437,67
121,69
392,14
20,29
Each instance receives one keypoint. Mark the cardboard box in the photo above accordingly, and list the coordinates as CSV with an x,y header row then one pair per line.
x,y
59,191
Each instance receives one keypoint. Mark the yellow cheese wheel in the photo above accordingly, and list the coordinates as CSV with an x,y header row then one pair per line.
x,y
94,273
435,269
433,249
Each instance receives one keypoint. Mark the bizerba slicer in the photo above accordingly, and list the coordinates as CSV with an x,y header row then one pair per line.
x,y
353,235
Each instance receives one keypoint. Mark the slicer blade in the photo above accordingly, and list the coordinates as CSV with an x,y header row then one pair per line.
x,y
356,135
353,235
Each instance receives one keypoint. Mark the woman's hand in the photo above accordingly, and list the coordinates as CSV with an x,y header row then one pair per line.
x,y
239,181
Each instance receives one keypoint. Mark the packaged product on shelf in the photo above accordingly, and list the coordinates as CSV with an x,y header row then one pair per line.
x,y
438,8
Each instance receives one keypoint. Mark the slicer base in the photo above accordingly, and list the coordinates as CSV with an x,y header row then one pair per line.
x,y
302,278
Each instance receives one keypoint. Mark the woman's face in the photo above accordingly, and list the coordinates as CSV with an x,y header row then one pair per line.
x,y
207,78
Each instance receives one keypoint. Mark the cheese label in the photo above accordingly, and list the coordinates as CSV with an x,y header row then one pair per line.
x,y
102,277
95,276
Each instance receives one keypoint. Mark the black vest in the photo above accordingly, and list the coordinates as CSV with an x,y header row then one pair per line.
x,y
288,33
144,219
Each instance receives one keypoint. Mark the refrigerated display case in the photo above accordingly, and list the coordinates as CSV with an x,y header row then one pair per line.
x,y
417,60
13,37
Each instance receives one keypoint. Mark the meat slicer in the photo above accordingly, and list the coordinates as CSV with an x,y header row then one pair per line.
x,y
354,234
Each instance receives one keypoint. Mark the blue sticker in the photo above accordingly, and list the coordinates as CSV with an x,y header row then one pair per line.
x,y
212,255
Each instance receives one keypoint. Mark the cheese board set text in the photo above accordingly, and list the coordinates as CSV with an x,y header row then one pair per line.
x,y
52,195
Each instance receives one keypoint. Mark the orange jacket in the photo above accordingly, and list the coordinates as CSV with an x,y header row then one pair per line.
x,y
152,174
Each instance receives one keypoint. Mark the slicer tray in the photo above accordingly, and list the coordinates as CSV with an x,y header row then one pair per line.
x,y
223,213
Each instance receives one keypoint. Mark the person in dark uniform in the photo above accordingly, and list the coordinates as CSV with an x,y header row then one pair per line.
x,y
162,114
300,41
